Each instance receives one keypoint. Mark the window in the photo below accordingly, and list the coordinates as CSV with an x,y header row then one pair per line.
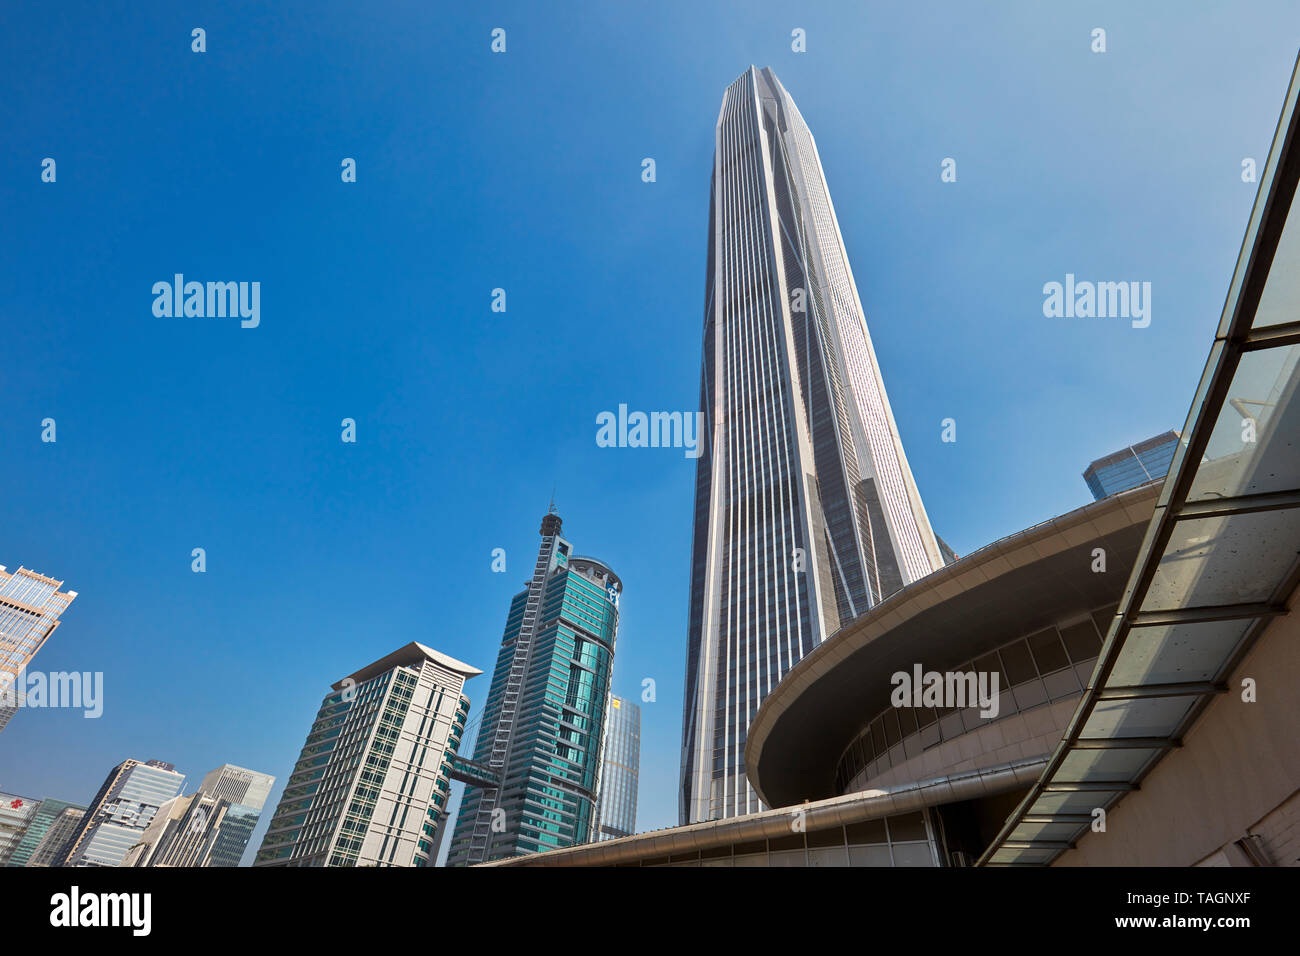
x,y
1017,664
908,826
1081,641
1047,650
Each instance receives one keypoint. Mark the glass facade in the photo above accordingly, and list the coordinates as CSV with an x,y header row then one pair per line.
x,y
216,823
121,812
235,826
806,512
1133,466
48,851
45,814
30,605
371,783
544,720
621,770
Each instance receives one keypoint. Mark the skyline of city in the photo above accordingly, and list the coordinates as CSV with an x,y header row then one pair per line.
x,y
437,547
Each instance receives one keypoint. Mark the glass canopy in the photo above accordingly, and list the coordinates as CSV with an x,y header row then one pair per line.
x,y
1220,555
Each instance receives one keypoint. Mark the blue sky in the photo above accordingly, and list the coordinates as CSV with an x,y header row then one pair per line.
x,y
523,171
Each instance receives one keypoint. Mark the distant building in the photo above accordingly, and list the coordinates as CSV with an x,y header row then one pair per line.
x,y
543,722
30,605
211,826
616,804
46,813
15,815
1132,466
164,822
371,783
50,848
120,813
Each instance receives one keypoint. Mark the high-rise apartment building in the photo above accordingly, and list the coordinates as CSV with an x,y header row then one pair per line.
x,y
44,816
120,813
209,827
1132,466
30,605
806,512
543,723
371,783
49,850
620,772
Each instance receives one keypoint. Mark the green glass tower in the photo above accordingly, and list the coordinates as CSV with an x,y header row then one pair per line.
x,y
45,815
544,720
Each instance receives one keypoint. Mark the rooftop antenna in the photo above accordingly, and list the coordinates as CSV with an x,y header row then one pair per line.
x,y
550,520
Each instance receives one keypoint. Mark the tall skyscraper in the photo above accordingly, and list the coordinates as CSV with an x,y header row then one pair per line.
x,y
544,718
371,783
620,771
211,826
806,512
120,813
30,605
1132,466
44,816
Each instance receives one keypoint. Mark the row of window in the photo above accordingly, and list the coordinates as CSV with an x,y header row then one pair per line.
x,y
1047,665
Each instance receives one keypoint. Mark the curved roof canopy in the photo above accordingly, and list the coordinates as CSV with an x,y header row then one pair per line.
x,y
1005,590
